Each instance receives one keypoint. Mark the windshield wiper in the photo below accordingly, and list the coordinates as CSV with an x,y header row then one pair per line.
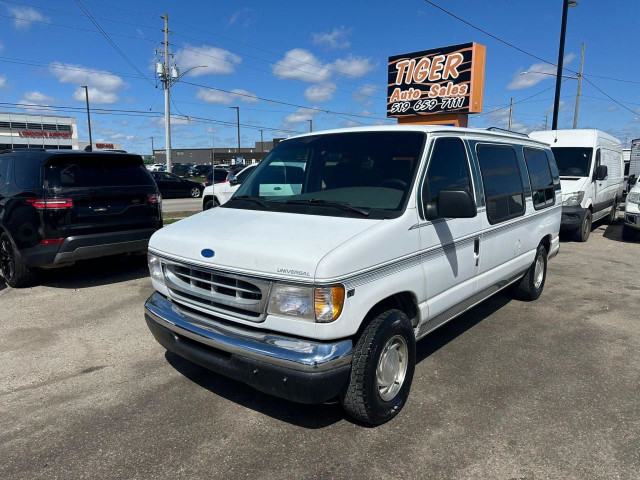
x,y
249,198
329,203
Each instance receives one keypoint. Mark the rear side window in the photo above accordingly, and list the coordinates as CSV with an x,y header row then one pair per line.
x,y
220,175
26,172
502,182
448,168
242,176
79,171
540,177
4,170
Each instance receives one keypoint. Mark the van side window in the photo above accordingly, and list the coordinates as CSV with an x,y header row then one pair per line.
x,y
448,168
540,177
502,182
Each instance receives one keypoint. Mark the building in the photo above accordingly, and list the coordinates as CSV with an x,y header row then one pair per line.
x,y
18,130
203,156
98,146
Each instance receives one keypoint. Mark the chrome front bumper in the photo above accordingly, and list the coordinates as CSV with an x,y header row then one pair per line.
x,y
271,348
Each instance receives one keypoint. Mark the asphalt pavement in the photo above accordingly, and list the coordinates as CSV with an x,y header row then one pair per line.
x,y
549,389
181,205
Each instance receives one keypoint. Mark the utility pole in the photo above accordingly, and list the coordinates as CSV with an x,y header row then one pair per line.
x,y
510,114
86,93
261,145
167,87
152,149
238,122
311,125
575,115
546,118
213,148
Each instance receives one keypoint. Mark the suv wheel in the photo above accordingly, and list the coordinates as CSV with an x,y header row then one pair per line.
x,y
15,273
530,286
195,192
583,232
211,204
382,369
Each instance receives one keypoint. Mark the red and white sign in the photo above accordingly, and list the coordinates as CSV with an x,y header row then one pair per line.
x,y
104,146
39,134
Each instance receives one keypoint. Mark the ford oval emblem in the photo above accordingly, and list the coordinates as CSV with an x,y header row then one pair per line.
x,y
207,253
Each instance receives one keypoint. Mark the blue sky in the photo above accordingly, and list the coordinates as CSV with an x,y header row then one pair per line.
x,y
327,55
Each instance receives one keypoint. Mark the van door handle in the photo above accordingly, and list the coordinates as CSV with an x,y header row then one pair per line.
x,y
277,188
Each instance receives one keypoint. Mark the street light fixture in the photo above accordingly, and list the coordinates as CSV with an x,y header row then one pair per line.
x,y
563,30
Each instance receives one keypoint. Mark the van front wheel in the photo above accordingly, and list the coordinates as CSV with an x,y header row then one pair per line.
x,y
530,286
584,230
382,369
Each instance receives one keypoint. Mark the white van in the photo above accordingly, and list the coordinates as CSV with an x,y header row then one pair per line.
x,y
592,175
631,227
386,234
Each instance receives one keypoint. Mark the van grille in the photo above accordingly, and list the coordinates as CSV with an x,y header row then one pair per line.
x,y
212,291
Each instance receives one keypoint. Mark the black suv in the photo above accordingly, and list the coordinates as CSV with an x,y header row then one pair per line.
x,y
60,206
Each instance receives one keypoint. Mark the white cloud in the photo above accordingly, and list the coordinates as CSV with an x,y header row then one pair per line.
x,y
3,81
294,120
25,16
217,60
535,74
241,17
224,98
1,47
357,66
29,99
122,136
96,96
336,38
563,108
301,64
320,93
364,94
102,85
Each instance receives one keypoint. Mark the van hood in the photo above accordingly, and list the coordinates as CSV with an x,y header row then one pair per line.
x,y
572,184
273,244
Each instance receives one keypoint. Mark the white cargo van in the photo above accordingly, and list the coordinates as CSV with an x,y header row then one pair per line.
x,y
321,289
631,227
592,174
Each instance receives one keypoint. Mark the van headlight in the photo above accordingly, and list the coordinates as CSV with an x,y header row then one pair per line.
x,y
322,304
634,198
155,268
573,199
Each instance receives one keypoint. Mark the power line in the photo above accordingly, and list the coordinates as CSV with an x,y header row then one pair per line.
x,y
609,96
111,42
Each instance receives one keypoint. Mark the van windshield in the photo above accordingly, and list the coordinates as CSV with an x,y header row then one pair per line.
x,y
573,161
340,174
78,171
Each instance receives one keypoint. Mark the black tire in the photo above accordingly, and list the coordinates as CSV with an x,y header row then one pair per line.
x,y
211,204
628,233
611,218
361,398
584,230
195,192
14,271
527,288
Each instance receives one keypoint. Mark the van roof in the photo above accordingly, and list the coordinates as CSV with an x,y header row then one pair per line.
x,y
577,137
504,134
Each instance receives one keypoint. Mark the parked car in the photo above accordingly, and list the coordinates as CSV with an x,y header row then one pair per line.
x,y
201,170
60,206
631,226
321,290
221,175
222,192
173,186
158,167
592,174
181,169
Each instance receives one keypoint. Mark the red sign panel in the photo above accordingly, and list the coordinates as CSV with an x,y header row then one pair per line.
x,y
104,146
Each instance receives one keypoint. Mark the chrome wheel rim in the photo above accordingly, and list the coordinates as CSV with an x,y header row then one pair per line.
x,y
195,193
6,259
392,368
538,273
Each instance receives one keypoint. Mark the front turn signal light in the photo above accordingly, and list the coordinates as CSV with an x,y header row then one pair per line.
x,y
328,303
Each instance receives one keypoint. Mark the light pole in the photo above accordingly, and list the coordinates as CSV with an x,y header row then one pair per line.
x,y
310,124
152,149
86,94
237,109
261,145
563,30
168,76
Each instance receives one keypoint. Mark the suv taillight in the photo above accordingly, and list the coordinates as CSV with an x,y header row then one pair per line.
x,y
154,198
50,203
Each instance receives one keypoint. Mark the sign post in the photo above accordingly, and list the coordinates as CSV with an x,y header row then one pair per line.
x,y
438,86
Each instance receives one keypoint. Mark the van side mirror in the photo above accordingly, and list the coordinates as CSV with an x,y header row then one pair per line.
x,y
452,204
601,172
233,180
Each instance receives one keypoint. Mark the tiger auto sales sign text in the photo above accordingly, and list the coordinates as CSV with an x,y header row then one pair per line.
x,y
442,80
